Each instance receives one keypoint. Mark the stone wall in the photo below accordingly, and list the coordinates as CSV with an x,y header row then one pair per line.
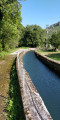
x,y
53,64
33,104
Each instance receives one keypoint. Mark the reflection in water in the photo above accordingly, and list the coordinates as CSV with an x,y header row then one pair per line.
x,y
46,82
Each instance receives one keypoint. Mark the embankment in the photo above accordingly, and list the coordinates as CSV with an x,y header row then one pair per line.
x,y
53,64
33,104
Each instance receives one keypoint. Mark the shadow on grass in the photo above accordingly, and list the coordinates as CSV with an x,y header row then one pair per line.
x,y
55,56
15,106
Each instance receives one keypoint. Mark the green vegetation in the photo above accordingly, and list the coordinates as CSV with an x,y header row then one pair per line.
x,y
56,29
3,54
55,40
32,36
5,67
15,107
52,30
10,24
54,55
41,51
11,91
53,36
13,35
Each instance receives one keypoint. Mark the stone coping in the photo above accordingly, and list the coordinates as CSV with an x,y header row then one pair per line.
x,y
33,104
53,64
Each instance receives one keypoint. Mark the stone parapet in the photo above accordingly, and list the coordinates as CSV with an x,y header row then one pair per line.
x,y
33,104
53,64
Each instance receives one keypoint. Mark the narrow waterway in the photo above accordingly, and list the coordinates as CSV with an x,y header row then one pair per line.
x,y
46,82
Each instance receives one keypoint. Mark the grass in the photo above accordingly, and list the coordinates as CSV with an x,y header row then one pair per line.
x,y
51,54
15,107
55,56
5,67
24,47
3,54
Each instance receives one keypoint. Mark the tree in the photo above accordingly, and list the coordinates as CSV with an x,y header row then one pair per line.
x,y
55,40
32,36
10,23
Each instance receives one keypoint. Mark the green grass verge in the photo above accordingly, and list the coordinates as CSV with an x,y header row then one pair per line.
x,y
54,56
51,54
15,106
3,54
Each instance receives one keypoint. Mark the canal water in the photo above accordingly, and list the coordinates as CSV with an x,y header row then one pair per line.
x,y
46,82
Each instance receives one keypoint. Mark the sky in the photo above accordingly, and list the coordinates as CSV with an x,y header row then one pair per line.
x,y
40,12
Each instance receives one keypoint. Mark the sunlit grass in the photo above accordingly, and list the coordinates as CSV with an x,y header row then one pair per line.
x,y
55,56
51,54
3,54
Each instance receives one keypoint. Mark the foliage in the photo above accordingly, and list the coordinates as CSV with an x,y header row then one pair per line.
x,y
15,107
13,31
10,23
55,40
0,47
32,36
59,47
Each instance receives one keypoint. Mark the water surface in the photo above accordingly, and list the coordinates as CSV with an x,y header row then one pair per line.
x,y
46,82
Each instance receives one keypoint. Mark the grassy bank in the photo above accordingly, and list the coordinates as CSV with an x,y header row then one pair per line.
x,y
55,56
52,54
3,54
5,67
15,107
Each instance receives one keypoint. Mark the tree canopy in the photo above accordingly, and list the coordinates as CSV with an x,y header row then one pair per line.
x,y
32,35
55,40
10,23
12,31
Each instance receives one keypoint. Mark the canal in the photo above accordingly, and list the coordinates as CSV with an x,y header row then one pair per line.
x,y
46,82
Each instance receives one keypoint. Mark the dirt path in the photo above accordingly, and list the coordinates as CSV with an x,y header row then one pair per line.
x,y
15,53
5,67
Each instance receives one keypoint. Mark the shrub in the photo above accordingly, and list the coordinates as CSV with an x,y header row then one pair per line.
x,y
6,47
0,47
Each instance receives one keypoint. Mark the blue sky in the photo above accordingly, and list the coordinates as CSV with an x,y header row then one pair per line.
x,y
40,12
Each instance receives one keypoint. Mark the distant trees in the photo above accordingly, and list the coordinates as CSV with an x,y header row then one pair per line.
x,y
32,36
10,23
55,40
